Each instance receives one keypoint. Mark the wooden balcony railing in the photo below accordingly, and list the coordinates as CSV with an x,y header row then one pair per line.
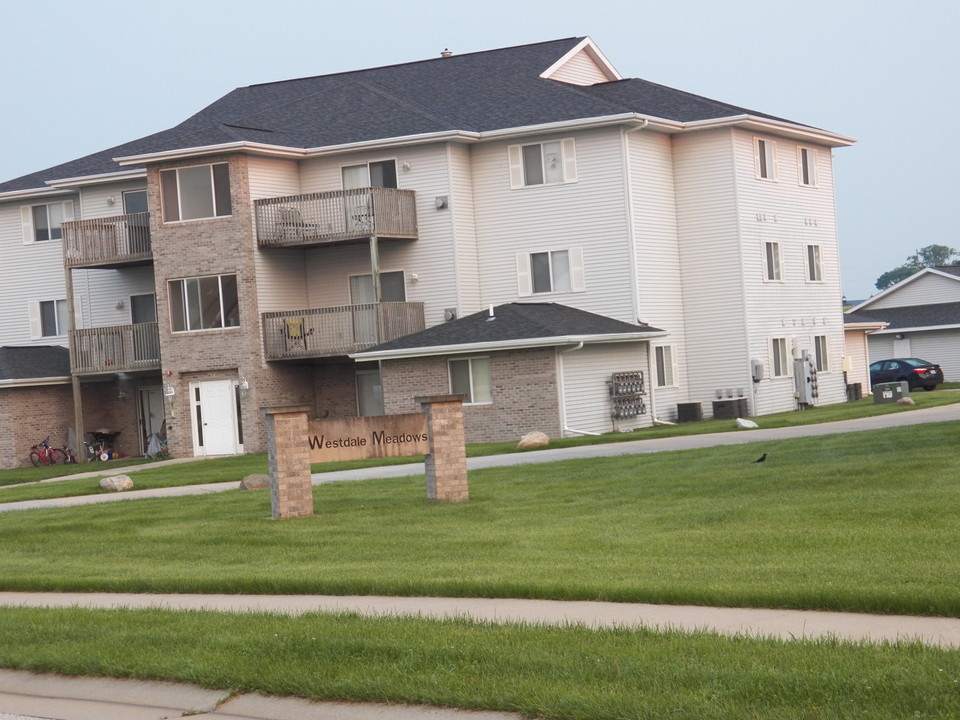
x,y
336,216
325,332
107,242
120,348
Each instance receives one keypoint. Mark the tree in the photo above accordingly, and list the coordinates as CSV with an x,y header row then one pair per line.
x,y
930,256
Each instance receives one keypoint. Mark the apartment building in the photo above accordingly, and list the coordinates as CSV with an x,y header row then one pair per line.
x,y
572,250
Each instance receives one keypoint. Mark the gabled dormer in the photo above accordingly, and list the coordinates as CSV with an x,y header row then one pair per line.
x,y
583,64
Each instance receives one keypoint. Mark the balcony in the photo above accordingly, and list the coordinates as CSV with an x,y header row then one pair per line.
x,y
336,217
332,331
120,348
109,242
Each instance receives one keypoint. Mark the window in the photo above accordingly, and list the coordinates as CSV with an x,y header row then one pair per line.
x,y
203,303
765,158
550,272
45,222
542,163
779,357
143,309
393,288
666,368
382,174
807,166
820,352
772,262
53,318
471,377
191,193
135,201
814,264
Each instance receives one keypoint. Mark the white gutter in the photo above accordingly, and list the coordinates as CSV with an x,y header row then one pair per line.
x,y
461,349
32,192
99,179
923,328
34,382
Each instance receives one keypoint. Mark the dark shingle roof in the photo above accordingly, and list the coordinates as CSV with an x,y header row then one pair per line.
x,y
473,92
34,361
516,322
910,316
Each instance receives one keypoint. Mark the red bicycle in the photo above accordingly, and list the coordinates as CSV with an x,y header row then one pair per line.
x,y
43,454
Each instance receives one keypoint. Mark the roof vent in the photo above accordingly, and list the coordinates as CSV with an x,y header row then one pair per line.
x,y
446,52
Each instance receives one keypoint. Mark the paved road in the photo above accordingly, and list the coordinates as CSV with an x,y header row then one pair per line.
x,y
942,413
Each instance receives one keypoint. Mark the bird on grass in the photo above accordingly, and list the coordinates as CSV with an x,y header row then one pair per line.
x,y
762,458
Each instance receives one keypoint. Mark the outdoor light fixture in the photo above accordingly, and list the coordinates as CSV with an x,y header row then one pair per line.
x,y
243,387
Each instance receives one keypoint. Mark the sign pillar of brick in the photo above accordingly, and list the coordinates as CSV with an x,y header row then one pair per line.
x,y
291,490
446,461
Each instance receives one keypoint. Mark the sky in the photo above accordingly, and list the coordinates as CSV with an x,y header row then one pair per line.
x,y
78,77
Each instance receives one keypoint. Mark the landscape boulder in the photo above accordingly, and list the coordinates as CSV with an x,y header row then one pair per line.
x,y
744,424
116,483
255,482
906,401
533,440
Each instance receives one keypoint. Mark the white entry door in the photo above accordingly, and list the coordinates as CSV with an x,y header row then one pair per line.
x,y
215,427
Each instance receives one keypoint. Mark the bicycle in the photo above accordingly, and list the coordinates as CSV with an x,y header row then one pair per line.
x,y
68,457
43,454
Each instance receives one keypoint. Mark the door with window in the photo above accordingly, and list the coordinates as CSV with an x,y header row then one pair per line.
x,y
138,226
151,415
359,206
362,292
216,418
369,393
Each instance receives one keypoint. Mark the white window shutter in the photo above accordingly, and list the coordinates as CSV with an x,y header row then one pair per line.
x,y
26,222
33,313
77,312
569,160
577,282
524,283
68,210
515,158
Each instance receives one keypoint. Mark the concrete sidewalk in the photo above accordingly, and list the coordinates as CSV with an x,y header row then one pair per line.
x,y
25,696
31,696
944,413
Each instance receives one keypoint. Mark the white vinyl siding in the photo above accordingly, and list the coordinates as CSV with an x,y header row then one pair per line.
x,y
545,163
43,221
585,392
928,289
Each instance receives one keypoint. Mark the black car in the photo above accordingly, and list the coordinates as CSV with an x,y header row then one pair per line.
x,y
917,372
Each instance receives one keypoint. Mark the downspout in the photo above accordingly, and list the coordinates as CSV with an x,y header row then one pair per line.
x,y
563,405
653,397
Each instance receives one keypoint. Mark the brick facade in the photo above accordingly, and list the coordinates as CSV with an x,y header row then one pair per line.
x,y
523,385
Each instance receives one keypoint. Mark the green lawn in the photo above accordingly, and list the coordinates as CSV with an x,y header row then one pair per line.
x,y
566,673
865,521
25,483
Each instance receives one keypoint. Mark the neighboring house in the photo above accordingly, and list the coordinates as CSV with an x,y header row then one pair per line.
x,y
249,256
921,318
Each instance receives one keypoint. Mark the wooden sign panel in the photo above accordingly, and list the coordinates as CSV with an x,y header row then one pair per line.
x,y
367,437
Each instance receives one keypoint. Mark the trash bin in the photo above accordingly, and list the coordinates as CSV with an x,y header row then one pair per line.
x,y
890,392
854,392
